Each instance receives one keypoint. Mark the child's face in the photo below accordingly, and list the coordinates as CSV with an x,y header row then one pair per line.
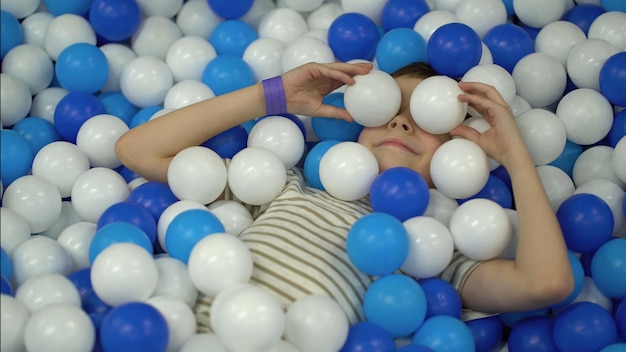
x,y
401,142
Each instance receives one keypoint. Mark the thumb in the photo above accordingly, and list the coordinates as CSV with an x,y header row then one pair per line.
x,y
466,132
326,110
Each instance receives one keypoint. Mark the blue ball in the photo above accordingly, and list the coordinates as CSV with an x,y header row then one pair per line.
x,y
487,333
377,244
228,143
61,7
583,15
118,232
533,334
5,287
37,131
82,67
510,10
496,190
115,20
73,110
415,348
579,280
134,326
11,33
566,160
188,228
620,317
126,173
512,318
328,128
586,221
232,37
118,105
453,49
312,163
618,128
401,192
613,5
402,13
352,36
396,303
398,48
584,326
613,79
6,267
445,333
90,302
143,115
227,73
16,156
442,298
132,213
366,336
608,268
153,196
230,9
508,43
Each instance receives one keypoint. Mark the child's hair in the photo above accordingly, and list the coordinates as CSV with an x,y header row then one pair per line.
x,y
416,70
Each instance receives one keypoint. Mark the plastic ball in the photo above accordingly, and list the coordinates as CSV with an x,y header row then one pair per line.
x,y
250,311
39,255
60,163
304,50
360,98
430,247
284,24
31,64
12,322
12,33
316,322
59,328
323,16
609,192
145,81
76,239
544,134
188,56
586,114
432,20
326,128
459,168
399,47
584,325
36,199
17,156
122,273
233,215
487,332
256,175
453,49
585,61
558,185
303,5
540,79
37,131
353,35
219,261
435,105
607,262
402,13
95,190
508,44
480,228
537,13
187,229
441,297
203,341
312,162
73,110
5,287
595,162
610,27
227,73
180,319
366,336
82,67
568,157
230,9
133,326
174,281
590,293
15,100
583,15
45,290
232,37
578,221
401,192
443,332
114,20
228,143
117,55
169,213
377,244
97,138
279,135
109,233
612,81
45,102
264,56
153,196
65,30
154,37
34,27
6,267
532,333
197,173
495,190
481,15
558,38
496,76
15,230
579,280
620,317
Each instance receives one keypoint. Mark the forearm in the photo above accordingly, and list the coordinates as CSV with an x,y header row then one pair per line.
x,y
148,148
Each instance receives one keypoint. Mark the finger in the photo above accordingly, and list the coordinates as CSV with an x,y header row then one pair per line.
x,y
466,132
482,89
326,110
485,106
345,72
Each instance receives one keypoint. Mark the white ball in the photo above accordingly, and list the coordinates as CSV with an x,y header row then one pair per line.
x,y
76,239
486,57
374,99
264,56
65,30
519,106
61,163
591,293
154,37
250,311
15,100
609,192
257,11
97,138
218,262
481,125
188,56
44,103
556,183
369,8
186,93
303,5
480,229
39,255
324,16
481,15
280,136
170,213
493,75
430,247
14,230
585,61
234,216
304,50
558,38
165,8
13,320
60,328
68,217
284,24
97,189
316,323
538,13
31,64
181,322
540,79
124,272
196,18
447,5
36,199
459,168
431,21
35,27
586,114
197,173
544,135
145,81
610,26
440,206
347,170
595,162
45,290
619,157
510,251
256,175
435,105
20,8
201,342
174,281
117,55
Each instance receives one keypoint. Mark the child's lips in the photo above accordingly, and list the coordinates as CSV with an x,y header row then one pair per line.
x,y
396,143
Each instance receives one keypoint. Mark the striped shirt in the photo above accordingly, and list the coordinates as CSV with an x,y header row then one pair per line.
x,y
298,246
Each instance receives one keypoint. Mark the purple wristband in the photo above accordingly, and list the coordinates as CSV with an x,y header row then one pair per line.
x,y
275,101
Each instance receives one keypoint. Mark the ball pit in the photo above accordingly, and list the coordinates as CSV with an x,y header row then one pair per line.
x,y
77,75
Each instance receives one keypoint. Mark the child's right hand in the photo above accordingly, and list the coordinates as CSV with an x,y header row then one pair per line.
x,y
307,85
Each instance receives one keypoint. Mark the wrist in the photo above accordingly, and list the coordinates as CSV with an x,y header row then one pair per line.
x,y
274,94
